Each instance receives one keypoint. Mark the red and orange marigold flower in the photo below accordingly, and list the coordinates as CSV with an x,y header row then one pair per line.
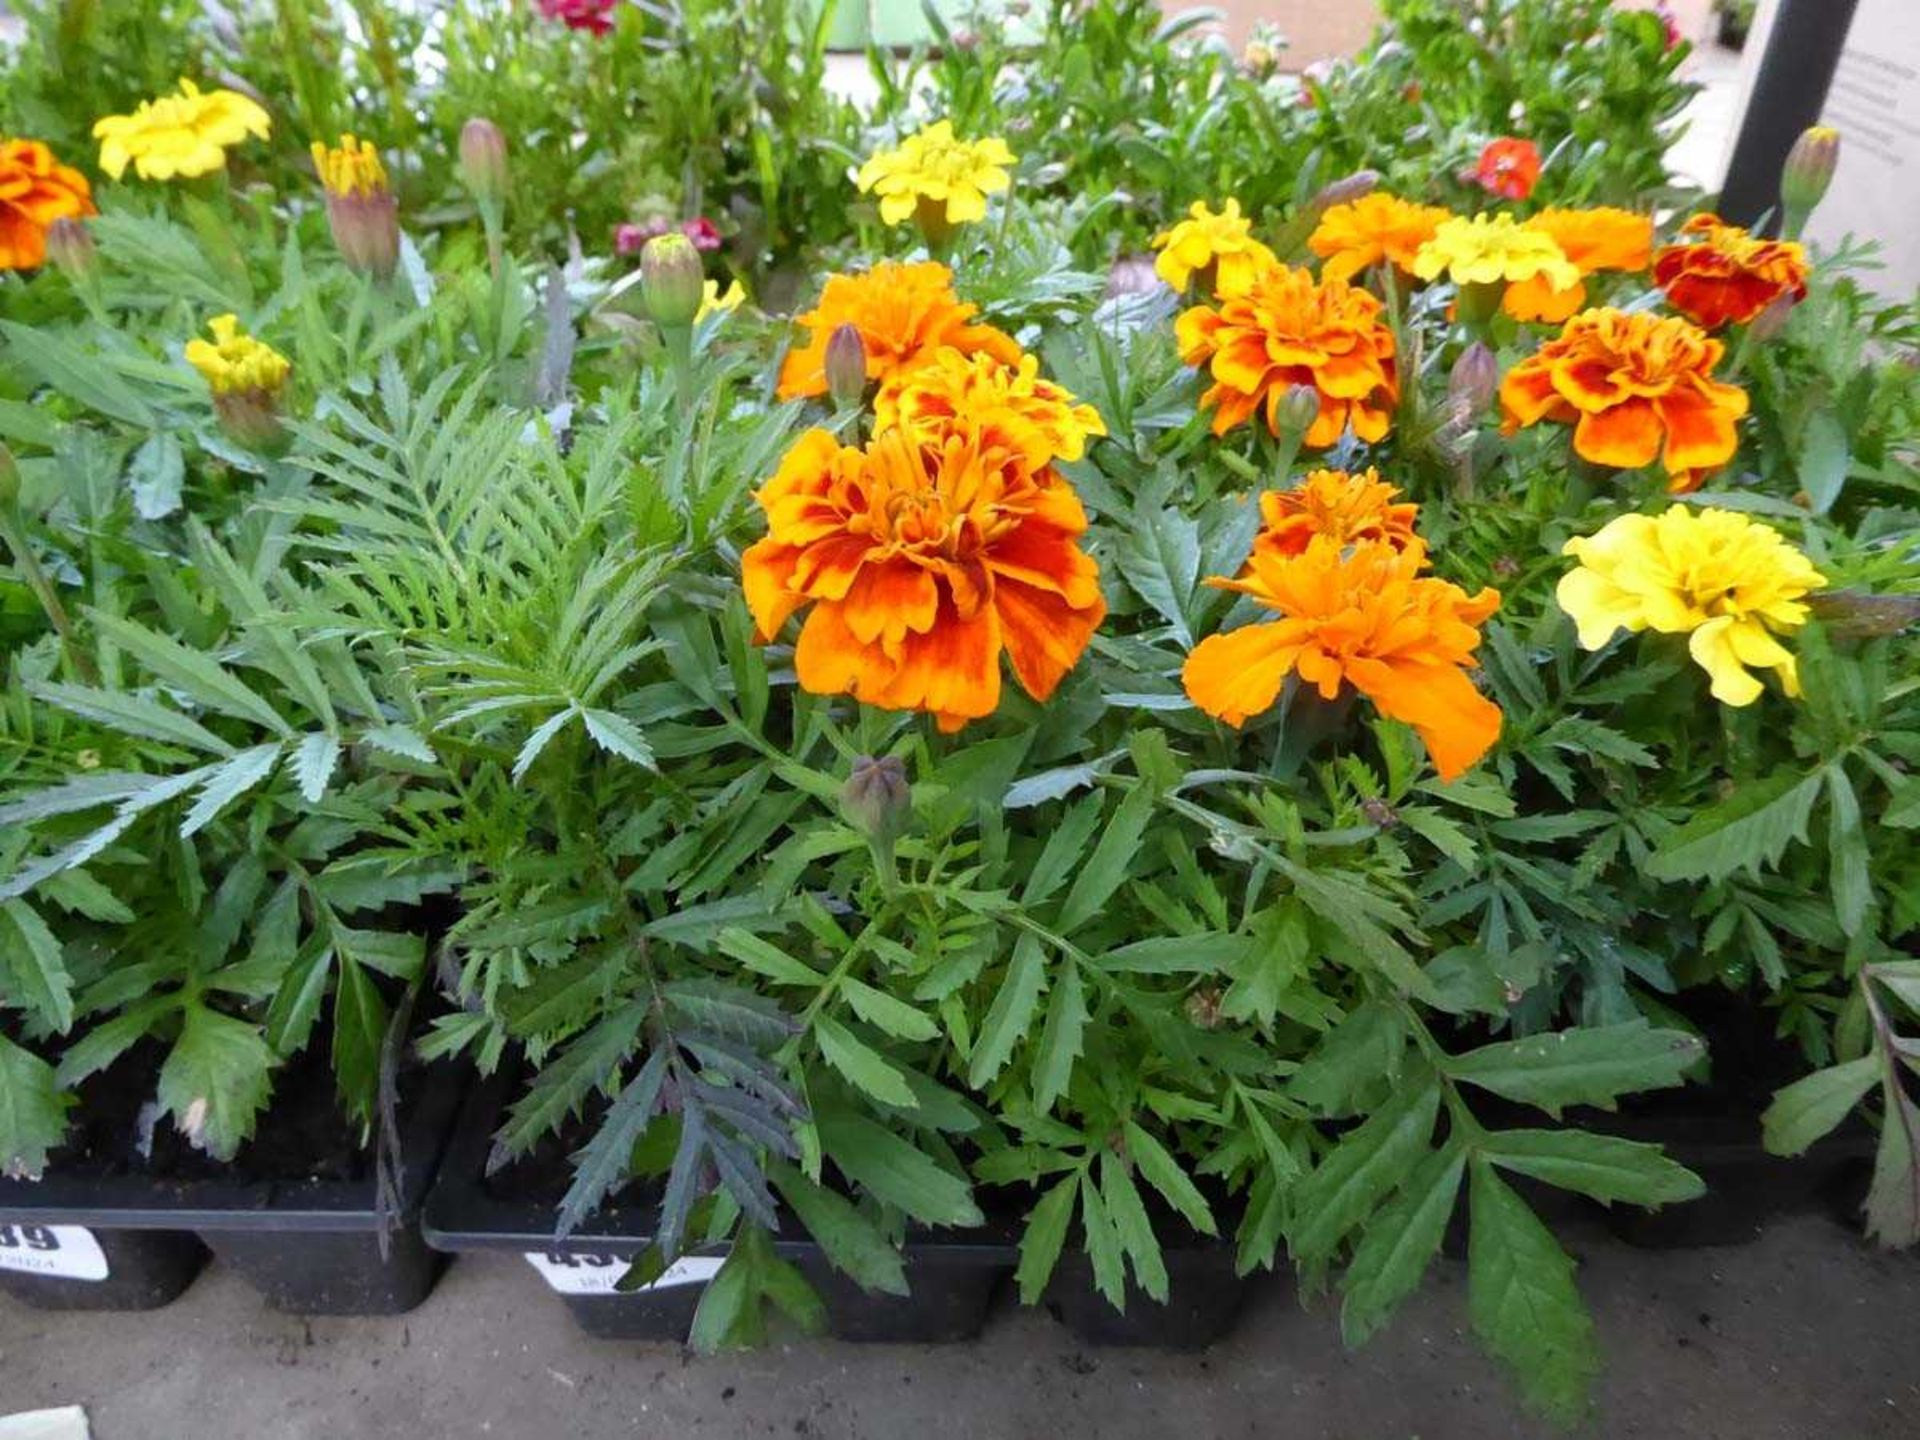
x,y
1364,615
1375,229
35,191
1010,406
1351,509
1635,387
1508,168
1724,275
1598,238
906,314
918,560
1284,328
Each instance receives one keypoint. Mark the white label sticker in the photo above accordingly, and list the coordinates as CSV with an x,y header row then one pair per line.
x,y
583,1273
67,1252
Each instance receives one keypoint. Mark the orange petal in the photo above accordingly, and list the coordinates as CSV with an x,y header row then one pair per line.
x,y
766,575
1456,721
1239,674
1625,437
1044,635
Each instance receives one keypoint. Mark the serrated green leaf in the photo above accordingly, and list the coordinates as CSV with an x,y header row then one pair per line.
x,y
1103,1245
1812,1105
36,970
765,958
1588,1066
537,741
1748,830
601,1165
400,740
1847,853
619,736
1370,1161
55,360
1132,1227
1893,1199
1011,1014
1160,1170
851,1241
897,1018
566,1080
1398,1244
359,1028
861,1065
1525,1306
216,1080
229,781
130,714
1603,1167
33,1112
1823,459
1043,1238
313,762
1351,1062
1105,869
892,1170
1060,1038
191,671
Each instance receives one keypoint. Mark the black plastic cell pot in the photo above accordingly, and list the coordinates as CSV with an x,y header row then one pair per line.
x,y
952,1280
311,1247
1204,1297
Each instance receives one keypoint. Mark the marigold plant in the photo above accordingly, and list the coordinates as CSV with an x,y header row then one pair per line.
x,y
1350,509
1729,583
935,172
1375,229
1493,250
1012,406
1725,276
1635,387
1596,239
1219,248
181,135
1283,328
35,191
1358,614
905,315
235,361
918,560
1509,168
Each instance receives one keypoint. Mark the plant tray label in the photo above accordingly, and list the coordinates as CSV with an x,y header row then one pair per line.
x,y
584,1273
66,1252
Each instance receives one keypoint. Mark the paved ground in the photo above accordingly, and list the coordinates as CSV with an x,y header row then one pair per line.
x,y
1804,1334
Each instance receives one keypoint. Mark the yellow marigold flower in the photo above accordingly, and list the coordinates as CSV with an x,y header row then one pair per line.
x,y
918,560
1724,275
1362,615
1282,329
1492,250
1346,508
715,301
1595,239
1374,229
1219,248
179,135
234,361
350,168
905,315
1728,583
1010,406
1635,387
936,170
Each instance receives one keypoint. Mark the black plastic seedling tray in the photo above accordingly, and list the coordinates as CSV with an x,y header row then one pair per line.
x,y
133,1242
952,1281
1204,1297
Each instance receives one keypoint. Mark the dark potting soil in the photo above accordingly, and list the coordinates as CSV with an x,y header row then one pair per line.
x,y
304,1134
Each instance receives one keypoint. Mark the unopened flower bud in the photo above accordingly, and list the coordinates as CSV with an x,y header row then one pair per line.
x,y
1203,1008
1767,325
1860,615
1345,190
361,210
483,160
846,367
671,280
877,801
1473,381
1809,170
247,378
70,247
1299,408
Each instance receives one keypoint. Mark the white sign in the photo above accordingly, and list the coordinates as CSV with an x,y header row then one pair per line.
x,y
589,1274
66,1252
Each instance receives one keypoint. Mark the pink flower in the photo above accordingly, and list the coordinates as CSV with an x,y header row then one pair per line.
x,y
1665,12
594,15
630,239
704,234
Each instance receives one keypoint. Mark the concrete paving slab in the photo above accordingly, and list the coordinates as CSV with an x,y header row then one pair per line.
x,y
1806,1333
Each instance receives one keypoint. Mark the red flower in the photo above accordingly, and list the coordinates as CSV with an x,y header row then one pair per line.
x,y
594,15
1509,168
704,234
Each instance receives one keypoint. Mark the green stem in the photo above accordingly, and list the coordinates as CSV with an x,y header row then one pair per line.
x,y
25,561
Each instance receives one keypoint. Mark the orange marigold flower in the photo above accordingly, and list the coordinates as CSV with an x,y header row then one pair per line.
x,y
1726,275
1362,615
1348,508
904,313
1634,386
1285,328
919,559
1373,229
1594,239
35,191
1509,168
1010,406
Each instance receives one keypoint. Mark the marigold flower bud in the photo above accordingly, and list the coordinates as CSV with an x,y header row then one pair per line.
x,y
1299,408
9,479
671,280
846,367
1861,615
1767,325
246,376
1345,190
877,800
361,210
1809,170
1474,380
483,160
70,247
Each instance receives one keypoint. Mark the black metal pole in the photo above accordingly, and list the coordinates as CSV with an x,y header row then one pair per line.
x,y
1789,90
